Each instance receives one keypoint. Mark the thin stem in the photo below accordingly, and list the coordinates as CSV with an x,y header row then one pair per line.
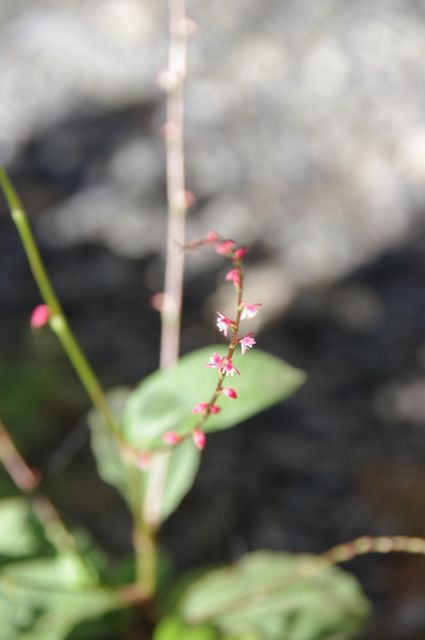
x,y
176,232
58,321
27,481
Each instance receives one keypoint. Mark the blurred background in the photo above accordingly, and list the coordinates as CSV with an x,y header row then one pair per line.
x,y
305,141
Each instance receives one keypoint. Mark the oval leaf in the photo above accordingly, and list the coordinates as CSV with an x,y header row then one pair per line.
x,y
267,595
165,399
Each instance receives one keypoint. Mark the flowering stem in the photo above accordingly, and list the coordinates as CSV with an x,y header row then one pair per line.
x,y
174,268
57,321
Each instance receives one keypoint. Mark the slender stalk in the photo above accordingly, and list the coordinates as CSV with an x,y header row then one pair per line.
x,y
174,264
27,481
58,321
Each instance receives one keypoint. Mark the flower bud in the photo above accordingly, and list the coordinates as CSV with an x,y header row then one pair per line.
x,y
199,439
40,316
230,393
171,437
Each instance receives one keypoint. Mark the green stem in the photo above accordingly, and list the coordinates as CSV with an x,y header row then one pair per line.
x,y
58,321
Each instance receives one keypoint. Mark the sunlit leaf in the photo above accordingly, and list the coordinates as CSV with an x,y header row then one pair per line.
x,y
165,399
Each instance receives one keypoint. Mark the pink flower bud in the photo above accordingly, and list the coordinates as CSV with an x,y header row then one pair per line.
x,y
199,439
249,310
211,237
40,316
214,409
240,253
230,393
246,342
171,437
200,407
225,247
185,200
234,276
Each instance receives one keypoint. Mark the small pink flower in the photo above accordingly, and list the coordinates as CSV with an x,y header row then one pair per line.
x,y
40,316
229,369
214,409
199,439
240,253
211,237
171,437
249,310
246,342
223,323
215,361
200,407
234,276
225,247
230,393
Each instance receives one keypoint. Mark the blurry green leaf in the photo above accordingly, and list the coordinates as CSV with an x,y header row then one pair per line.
x,y
130,480
109,463
18,536
44,599
165,399
182,469
265,595
176,629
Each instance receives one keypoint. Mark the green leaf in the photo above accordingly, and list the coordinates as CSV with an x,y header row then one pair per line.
x,y
110,465
267,595
182,469
18,536
175,629
44,599
130,480
165,399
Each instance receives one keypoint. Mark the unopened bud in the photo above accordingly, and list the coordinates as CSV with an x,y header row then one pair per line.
x,y
240,253
40,316
171,437
230,393
214,409
199,439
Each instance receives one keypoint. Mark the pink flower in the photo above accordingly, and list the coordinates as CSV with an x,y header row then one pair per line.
x,y
215,361
229,369
40,316
211,237
214,409
171,437
234,276
225,247
246,342
223,323
199,439
240,253
230,393
200,407
249,310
